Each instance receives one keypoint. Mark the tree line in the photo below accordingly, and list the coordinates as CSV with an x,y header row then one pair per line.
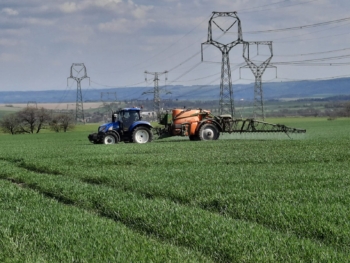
x,y
32,120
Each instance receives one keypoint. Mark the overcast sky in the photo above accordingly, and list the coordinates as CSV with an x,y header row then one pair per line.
x,y
118,40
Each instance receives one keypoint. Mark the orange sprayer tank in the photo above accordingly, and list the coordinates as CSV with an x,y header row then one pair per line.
x,y
185,121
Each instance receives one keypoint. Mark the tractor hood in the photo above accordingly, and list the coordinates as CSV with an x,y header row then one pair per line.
x,y
109,126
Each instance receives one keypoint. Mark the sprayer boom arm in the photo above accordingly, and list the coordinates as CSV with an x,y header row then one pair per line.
x,y
250,125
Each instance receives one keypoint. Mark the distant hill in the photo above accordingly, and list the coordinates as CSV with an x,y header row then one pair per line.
x,y
272,90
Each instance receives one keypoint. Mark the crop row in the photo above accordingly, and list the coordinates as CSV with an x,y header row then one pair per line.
x,y
37,229
230,200
220,238
307,201
290,186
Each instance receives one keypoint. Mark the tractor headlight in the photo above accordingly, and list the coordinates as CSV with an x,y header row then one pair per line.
x,y
110,128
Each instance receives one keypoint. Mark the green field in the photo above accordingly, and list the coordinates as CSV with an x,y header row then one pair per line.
x,y
239,199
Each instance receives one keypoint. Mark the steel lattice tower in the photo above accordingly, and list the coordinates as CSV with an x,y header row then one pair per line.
x,y
156,97
226,104
78,73
258,71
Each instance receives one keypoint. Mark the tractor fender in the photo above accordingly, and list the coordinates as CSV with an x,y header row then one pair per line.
x,y
139,123
117,135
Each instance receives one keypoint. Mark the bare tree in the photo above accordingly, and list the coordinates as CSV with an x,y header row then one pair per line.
x,y
10,124
54,125
32,119
67,122
43,117
63,122
27,118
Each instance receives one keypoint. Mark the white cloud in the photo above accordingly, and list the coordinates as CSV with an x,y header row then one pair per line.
x,y
69,7
118,6
123,25
141,11
104,2
114,26
9,11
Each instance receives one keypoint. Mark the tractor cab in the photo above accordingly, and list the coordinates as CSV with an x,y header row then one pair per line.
x,y
128,116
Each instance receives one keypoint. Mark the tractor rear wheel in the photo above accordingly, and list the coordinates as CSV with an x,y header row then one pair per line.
x,y
208,132
109,138
142,135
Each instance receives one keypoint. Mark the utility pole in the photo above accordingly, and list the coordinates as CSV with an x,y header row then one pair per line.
x,y
156,97
257,70
226,104
78,73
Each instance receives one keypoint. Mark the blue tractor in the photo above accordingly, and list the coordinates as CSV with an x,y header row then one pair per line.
x,y
126,126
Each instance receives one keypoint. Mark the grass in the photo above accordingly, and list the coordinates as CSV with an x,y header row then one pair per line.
x,y
35,228
257,200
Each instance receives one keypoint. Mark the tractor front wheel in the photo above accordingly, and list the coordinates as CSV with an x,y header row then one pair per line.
x,y
208,132
109,138
142,135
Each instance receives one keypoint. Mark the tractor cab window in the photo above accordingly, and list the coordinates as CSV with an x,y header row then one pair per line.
x,y
125,115
134,116
129,117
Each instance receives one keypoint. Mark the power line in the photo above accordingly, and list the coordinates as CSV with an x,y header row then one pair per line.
x,y
108,86
189,80
163,50
315,64
327,78
65,93
276,3
300,27
328,37
311,60
315,61
267,9
278,40
313,53
191,57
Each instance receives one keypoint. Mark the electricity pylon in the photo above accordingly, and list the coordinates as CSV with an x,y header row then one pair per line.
x,y
257,70
226,104
78,73
156,97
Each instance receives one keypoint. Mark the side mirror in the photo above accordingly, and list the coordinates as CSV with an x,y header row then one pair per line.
x,y
114,117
